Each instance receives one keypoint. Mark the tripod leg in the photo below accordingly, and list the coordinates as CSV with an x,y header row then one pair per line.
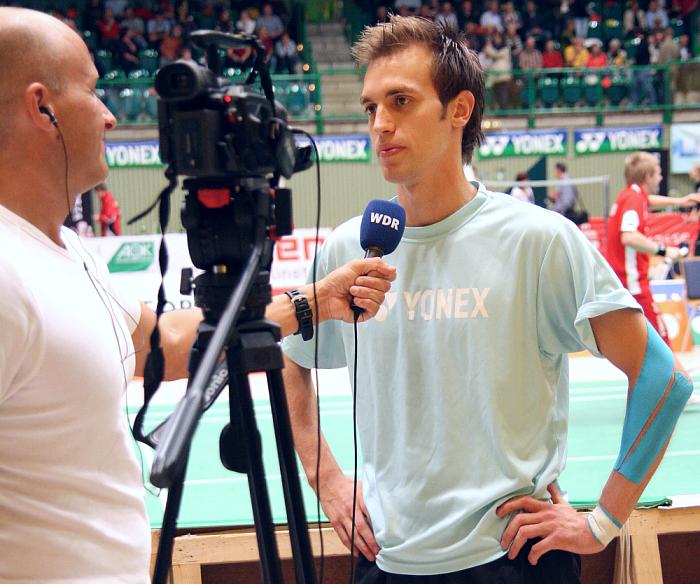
x,y
296,515
167,535
243,417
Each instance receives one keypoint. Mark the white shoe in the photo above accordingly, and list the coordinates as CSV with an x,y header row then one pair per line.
x,y
694,399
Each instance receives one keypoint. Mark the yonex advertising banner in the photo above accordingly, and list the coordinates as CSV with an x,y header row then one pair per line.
x,y
685,147
605,140
133,263
341,148
143,154
530,143
146,154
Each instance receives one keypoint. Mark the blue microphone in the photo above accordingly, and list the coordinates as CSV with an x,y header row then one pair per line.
x,y
382,228
380,232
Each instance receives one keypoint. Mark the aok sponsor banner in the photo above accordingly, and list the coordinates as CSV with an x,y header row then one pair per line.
x,y
685,147
133,263
146,154
605,140
530,143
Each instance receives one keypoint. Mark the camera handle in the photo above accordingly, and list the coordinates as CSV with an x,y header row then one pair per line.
x,y
251,345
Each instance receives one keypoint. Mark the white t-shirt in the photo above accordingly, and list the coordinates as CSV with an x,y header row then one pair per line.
x,y
462,379
71,496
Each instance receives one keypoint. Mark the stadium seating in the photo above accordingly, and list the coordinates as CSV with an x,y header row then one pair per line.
x,y
592,90
612,29
595,29
617,90
130,104
549,90
571,90
296,98
103,60
149,60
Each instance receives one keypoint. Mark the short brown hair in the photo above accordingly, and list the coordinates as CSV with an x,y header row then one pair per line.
x,y
638,166
455,67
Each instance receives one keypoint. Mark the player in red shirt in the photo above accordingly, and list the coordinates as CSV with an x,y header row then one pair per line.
x,y
629,247
110,216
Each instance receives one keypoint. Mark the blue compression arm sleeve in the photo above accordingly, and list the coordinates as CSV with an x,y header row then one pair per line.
x,y
653,408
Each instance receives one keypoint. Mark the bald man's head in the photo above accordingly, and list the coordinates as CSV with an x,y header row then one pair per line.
x,y
31,43
31,47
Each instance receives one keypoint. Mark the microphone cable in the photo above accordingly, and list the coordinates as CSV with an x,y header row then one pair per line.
x,y
314,271
354,445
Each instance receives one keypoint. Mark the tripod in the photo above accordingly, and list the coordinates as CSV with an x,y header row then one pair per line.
x,y
234,306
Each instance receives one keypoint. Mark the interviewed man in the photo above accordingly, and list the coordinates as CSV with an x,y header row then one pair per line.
x,y
462,379
71,498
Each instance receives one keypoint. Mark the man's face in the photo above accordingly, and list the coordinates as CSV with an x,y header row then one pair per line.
x,y
82,118
654,180
411,130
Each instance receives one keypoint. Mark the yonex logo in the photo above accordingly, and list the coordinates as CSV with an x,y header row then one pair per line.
x,y
590,142
494,145
382,219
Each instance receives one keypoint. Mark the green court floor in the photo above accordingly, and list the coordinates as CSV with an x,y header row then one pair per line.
x,y
214,496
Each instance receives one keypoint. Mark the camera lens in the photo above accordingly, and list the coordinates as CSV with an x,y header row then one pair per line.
x,y
182,80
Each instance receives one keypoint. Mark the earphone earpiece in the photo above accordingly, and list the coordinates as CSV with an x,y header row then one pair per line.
x,y
48,112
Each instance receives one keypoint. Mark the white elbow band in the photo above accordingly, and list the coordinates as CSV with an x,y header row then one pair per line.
x,y
655,403
603,526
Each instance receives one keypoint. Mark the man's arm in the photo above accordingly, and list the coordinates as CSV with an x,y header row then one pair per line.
x,y
643,244
658,201
364,281
624,339
332,487
367,281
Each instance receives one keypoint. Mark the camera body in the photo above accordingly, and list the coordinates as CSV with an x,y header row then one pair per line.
x,y
211,127
233,145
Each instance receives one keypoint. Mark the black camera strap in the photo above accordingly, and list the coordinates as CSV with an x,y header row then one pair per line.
x,y
155,363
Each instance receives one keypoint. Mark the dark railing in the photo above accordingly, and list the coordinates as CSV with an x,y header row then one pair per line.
x,y
133,100
531,94
666,88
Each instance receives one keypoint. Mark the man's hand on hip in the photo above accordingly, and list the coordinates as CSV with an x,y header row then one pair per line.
x,y
557,523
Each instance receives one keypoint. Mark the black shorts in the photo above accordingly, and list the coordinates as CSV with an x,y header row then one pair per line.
x,y
555,567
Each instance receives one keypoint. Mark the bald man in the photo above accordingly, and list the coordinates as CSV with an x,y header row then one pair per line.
x,y
71,497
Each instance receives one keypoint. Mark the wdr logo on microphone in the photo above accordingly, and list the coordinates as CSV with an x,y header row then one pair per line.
x,y
382,219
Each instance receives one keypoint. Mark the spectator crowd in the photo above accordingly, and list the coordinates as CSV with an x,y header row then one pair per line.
x,y
534,36
516,40
126,36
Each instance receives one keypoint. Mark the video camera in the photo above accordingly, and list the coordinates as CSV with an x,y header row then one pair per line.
x,y
234,144
211,127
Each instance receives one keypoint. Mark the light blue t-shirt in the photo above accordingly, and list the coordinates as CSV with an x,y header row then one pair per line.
x,y
463,375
